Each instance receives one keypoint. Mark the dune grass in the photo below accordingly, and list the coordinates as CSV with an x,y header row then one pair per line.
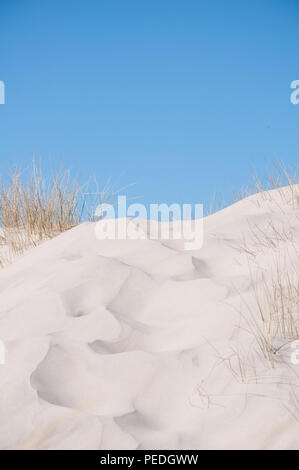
x,y
277,176
272,252
269,313
273,317
35,207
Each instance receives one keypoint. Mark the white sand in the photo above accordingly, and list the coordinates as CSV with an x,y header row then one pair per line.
x,y
131,344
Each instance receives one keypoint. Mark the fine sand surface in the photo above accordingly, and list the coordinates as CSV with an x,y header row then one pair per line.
x,y
142,345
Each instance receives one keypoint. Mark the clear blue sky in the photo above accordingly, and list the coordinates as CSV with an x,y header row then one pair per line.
x,y
181,97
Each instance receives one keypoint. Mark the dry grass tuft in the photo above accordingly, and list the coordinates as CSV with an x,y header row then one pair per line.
x,y
273,318
272,252
34,207
278,177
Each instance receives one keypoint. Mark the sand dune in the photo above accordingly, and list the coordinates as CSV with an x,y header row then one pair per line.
x,y
140,344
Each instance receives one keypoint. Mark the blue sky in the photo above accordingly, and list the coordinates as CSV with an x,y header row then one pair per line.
x,y
182,98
